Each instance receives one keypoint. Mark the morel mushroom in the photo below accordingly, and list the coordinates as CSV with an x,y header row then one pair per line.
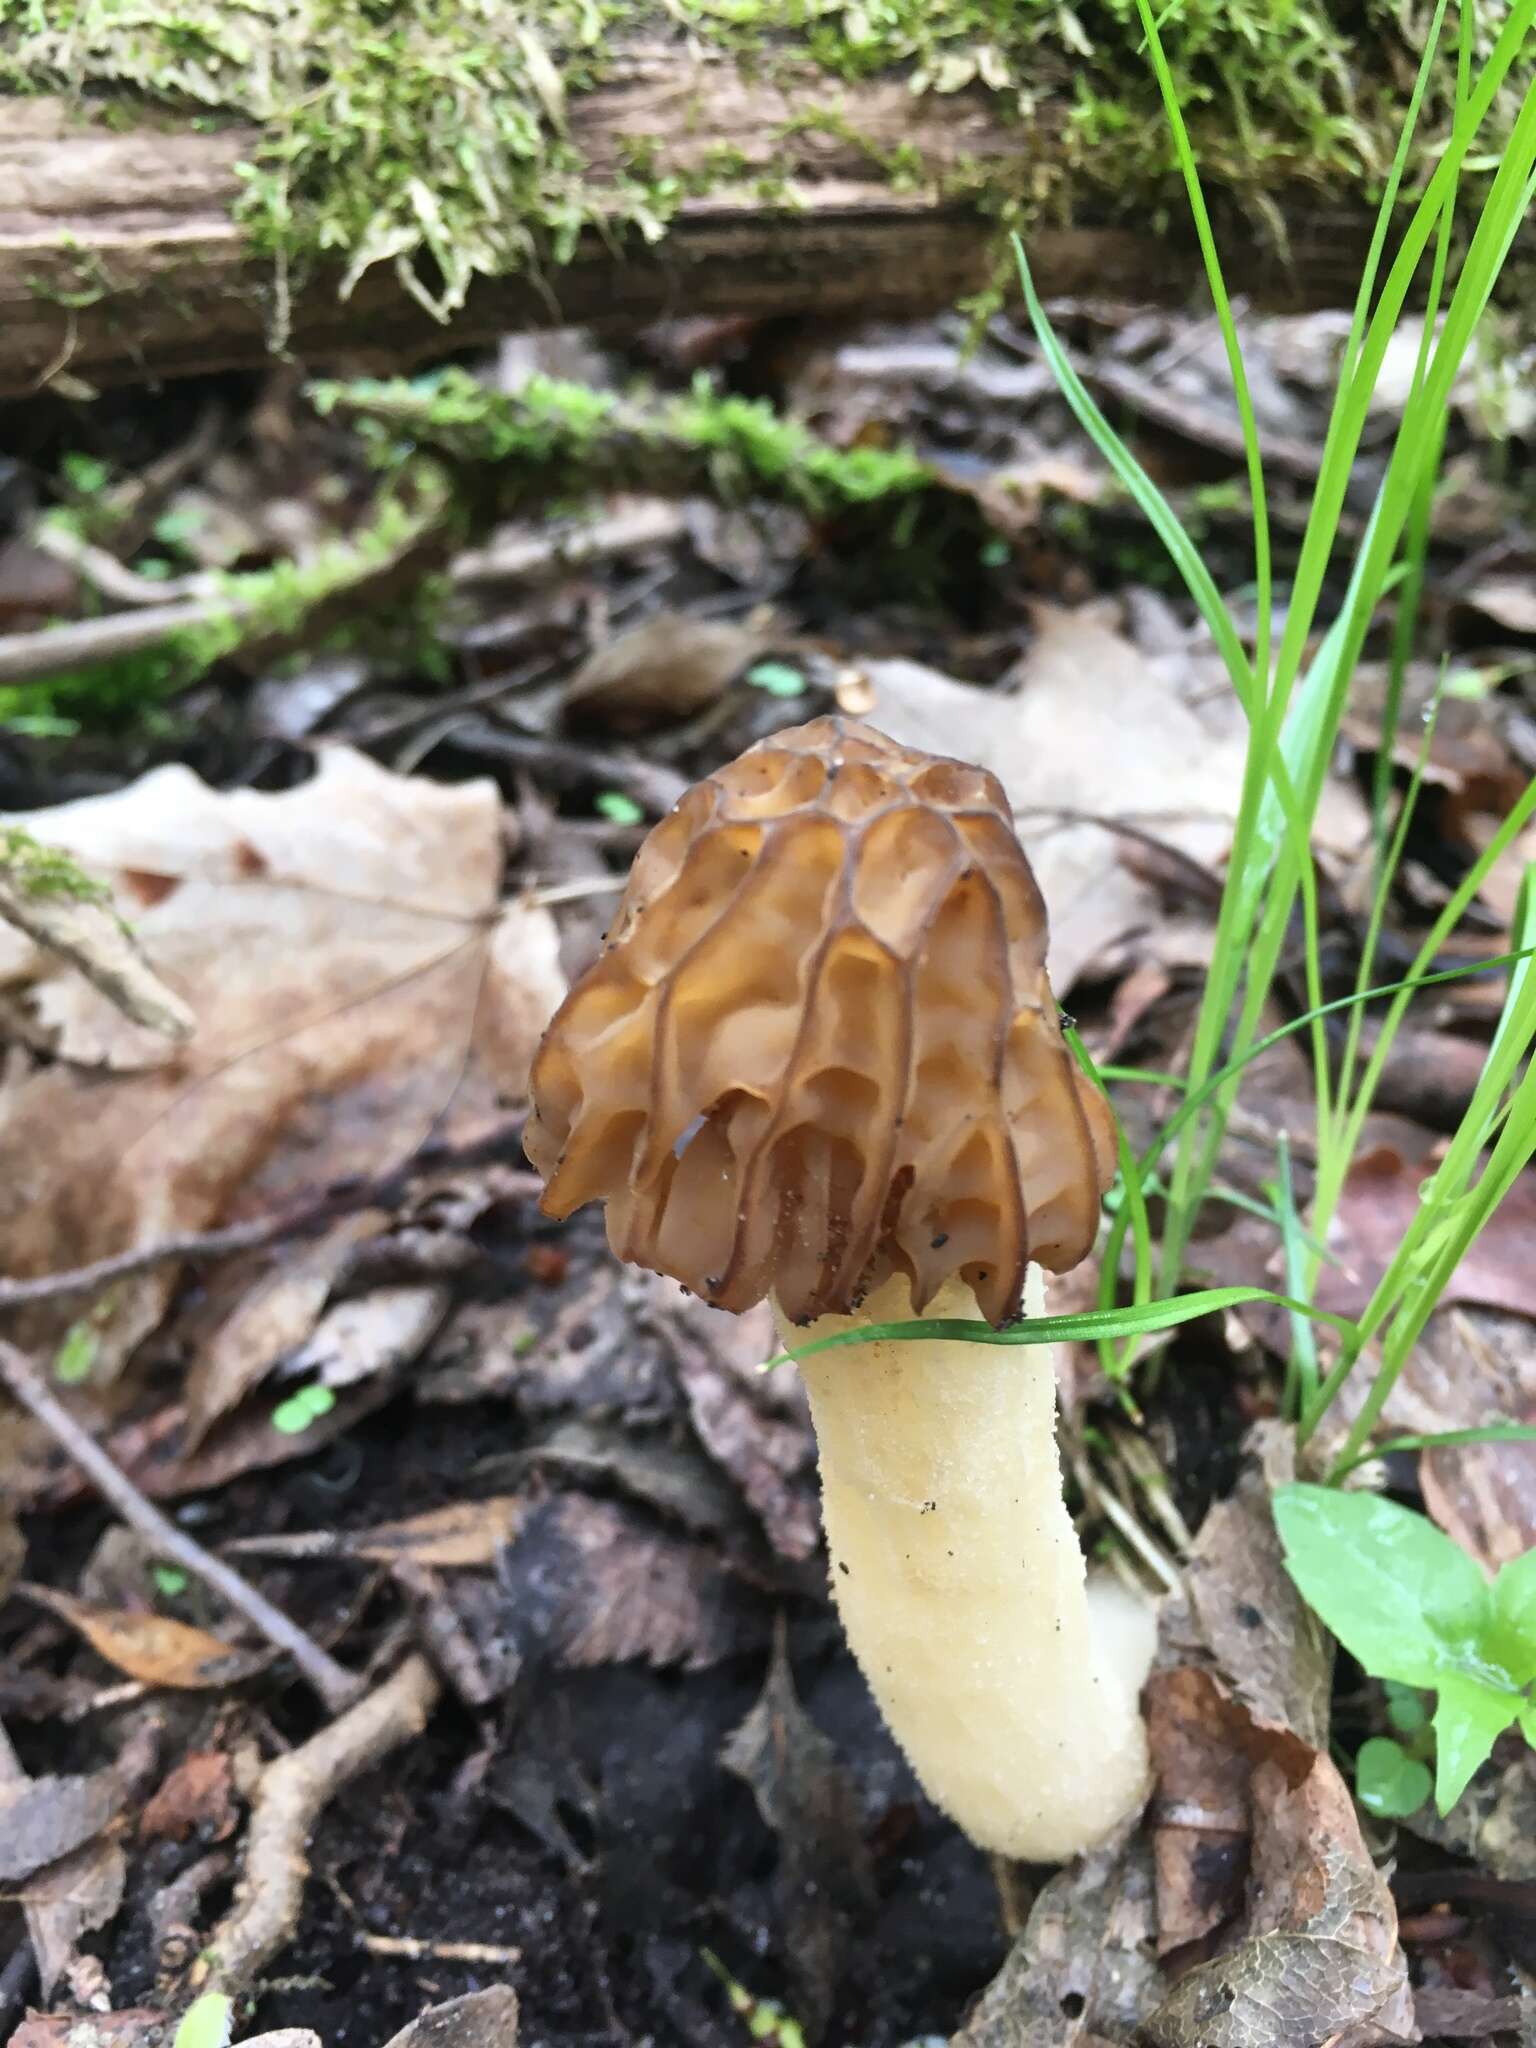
x,y
819,1060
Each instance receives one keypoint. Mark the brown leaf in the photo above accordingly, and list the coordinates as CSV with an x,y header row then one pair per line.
x,y
1267,1643
755,1425
1493,1822
1320,1961
1081,1975
44,1819
13,1551
668,669
1445,2009
197,1797
805,1793
1381,1196
482,2019
1199,1815
372,1334
71,1898
341,947
150,1647
599,1584
464,1535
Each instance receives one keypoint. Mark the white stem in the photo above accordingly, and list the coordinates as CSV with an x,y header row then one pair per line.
x,y
1009,1680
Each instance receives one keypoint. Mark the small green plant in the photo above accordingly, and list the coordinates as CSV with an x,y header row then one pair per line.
x,y
293,1416
1411,1606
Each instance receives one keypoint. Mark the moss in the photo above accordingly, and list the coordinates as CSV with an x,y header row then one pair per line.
x,y
431,134
45,871
554,436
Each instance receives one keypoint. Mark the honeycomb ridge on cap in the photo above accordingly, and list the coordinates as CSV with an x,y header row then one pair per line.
x,y
819,1045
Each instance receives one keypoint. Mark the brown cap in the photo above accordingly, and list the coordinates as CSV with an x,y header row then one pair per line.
x,y
820,1046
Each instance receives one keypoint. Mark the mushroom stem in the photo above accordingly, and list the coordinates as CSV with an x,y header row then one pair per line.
x,y
1010,1680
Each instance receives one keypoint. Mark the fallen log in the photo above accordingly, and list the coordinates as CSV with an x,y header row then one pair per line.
x,y
124,253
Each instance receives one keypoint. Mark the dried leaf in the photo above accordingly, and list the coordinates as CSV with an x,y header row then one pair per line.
x,y
1268,1645
805,1793
597,1584
137,2026
1382,1194
1082,1974
668,669
198,1797
150,1647
1320,1962
482,2019
1098,729
372,1334
44,1819
95,941
13,1551
756,1426
1446,2010
1493,1822
340,945
69,1899
270,1321
465,1535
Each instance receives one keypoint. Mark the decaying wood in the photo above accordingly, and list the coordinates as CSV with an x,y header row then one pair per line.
x,y
120,256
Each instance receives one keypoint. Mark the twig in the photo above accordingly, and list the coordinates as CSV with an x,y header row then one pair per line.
x,y
292,1792
94,939
332,1681
28,657
415,1950
343,1198
567,766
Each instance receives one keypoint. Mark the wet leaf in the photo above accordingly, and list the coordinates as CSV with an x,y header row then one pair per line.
x,y
805,1793
71,1898
150,1647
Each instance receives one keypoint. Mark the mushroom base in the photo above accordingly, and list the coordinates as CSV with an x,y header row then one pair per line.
x,y
1010,1681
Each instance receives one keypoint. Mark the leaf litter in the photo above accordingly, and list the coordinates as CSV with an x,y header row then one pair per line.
x,y
435,1428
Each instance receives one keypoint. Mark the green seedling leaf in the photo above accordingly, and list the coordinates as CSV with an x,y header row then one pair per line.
x,y
84,473
76,1355
294,1415
1470,1716
1376,1574
170,1580
777,678
618,808
1388,1781
1406,1709
207,2023
996,554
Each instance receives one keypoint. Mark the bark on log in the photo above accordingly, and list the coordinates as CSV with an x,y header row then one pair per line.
x,y
120,256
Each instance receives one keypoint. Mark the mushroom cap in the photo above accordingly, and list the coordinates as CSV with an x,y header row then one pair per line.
x,y
819,1046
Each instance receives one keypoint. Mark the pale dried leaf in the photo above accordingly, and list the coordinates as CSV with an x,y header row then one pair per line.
x,y
466,1535
341,947
277,1314
1099,729
372,1334
151,1647
482,2019
136,2026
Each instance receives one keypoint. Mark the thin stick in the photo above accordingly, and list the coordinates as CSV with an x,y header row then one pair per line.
x,y
332,1681
343,1198
291,1795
